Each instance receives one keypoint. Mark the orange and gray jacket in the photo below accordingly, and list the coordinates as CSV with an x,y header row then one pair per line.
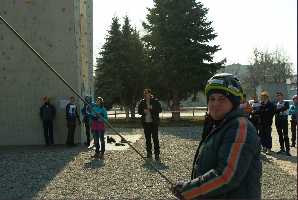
x,y
227,163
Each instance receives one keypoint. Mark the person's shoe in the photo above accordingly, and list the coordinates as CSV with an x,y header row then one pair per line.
x,y
100,155
52,145
149,155
264,149
156,156
268,152
95,156
288,153
73,145
281,151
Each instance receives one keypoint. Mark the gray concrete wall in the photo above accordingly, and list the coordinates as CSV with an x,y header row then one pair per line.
x,y
50,27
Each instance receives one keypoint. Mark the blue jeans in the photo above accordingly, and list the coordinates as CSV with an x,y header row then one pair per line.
x,y
265,136
99,134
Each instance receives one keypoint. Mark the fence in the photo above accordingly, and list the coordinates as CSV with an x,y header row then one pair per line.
x,y
196,111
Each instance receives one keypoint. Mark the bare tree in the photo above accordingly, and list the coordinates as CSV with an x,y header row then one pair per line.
x,y
265,66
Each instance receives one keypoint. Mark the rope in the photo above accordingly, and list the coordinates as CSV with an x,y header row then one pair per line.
x,y
78,95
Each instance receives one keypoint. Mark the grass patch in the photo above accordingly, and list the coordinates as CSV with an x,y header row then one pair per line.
x,y
164,122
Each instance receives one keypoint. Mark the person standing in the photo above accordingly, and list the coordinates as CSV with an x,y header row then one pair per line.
x,y
244,104
266,112
254,119
86,113
47,114
98,127
281,123
227,162
149,109
293,112
71,116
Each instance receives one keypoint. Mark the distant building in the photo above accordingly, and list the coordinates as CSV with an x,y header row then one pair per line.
x,y
291,86
236,69
287,88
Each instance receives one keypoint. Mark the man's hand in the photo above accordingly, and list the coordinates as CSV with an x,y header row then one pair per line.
x,y
145,111
149,106
177,190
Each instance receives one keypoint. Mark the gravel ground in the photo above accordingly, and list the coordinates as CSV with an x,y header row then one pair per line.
x,y
70,173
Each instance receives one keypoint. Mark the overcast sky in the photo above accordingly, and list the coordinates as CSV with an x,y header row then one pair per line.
x,y
241,25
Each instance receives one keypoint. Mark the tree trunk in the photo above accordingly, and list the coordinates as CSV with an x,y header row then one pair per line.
x,y
176,106
133,112
127,113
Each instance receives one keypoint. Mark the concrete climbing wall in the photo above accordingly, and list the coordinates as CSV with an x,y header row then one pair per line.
x,y
53,30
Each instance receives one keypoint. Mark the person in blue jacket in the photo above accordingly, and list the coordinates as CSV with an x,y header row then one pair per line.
x,y
98,127
85,112
227,162
293,113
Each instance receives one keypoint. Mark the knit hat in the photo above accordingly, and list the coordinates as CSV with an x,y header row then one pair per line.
x,y
233,99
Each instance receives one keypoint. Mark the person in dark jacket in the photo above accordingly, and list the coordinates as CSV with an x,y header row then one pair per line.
x,y
266,112
86,113
227,162
47,114
281,123
149,109
71,116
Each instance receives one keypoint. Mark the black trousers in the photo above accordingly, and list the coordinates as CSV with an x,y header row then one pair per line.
x,y
71,125
255,122
281,124
87,126
294,131
151,130
48,132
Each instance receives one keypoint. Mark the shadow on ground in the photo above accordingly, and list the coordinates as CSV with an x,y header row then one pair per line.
x,y
38,164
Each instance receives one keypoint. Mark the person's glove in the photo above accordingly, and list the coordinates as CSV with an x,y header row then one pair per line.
x,y
177,190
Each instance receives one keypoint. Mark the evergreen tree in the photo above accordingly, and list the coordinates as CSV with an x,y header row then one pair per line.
x,y
117,74
177,39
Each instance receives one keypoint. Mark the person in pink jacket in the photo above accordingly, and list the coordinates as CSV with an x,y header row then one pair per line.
x,y
98,128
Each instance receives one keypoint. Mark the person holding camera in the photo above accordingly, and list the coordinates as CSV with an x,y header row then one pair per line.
x,y
266,112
